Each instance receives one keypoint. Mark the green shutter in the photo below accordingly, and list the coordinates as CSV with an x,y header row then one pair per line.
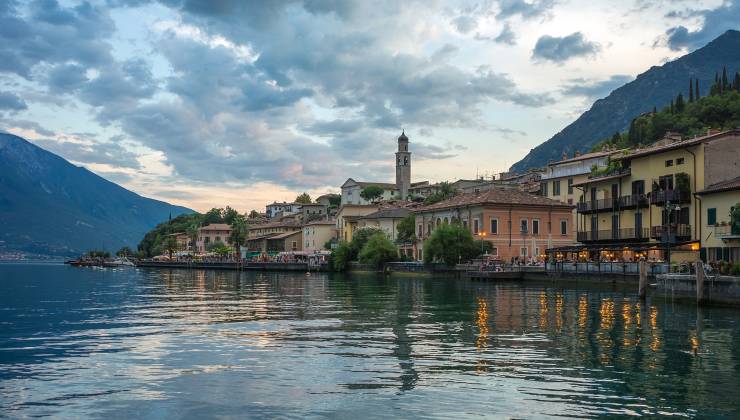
x,y
711,216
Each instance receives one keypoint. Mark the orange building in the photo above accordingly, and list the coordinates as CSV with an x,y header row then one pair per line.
x,y
516,223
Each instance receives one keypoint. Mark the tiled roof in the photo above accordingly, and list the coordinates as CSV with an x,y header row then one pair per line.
x,y
385,185
273,225
729,185
322,222
284,235
390,213
584,156
494,196
676,145
216,226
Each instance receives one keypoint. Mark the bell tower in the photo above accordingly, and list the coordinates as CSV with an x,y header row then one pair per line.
x,y
403,166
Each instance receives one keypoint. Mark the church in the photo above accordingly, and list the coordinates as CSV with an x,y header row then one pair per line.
x,y
403,189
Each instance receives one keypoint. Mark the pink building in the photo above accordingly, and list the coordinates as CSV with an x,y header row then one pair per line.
x,y
217,232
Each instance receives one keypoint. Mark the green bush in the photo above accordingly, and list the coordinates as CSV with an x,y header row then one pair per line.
x,y
450,244
735,270
341,256
378,250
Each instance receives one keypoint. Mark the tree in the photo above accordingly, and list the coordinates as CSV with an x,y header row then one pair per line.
x,y
253,214
406,229
450,244
213,246
213,215
696,86
444,191
192,232
303,199
616,138
378,250
691,90
360,238
170,245
680,105
341,256
238,235
124,252
371,192
229,215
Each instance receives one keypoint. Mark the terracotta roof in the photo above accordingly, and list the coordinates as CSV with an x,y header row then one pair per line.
x,y
584,156
676,145
273,225
215,226
494,196
729,185
322,222
284,235
391,213
385,185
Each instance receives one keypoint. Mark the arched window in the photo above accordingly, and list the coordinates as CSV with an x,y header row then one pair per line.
x,y
439,221
405,160
446,221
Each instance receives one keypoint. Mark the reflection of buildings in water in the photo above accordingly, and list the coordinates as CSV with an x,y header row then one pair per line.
x,y
559,312
403,342
543,310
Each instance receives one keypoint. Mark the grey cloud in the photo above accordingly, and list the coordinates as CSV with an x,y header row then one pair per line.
x,y
465,23
527,10
506,36
432,152
50,33
561,49
65,78
11,102
332,128
716,22
7,124
595,89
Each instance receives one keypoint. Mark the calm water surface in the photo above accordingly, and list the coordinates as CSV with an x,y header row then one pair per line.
x,y
162,344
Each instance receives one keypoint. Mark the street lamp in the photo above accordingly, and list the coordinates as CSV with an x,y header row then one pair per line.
x,y
482,238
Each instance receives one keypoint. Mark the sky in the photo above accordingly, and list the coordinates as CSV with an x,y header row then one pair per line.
x,y
208,103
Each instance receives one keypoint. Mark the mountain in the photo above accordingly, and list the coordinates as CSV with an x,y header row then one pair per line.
x,y
656,87
50,207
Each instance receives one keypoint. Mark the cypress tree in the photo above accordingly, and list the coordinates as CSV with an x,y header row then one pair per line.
x,y
691,90
632,134
671,106
655,110
737,81
723,87
679,103
696,96
616,138
715,87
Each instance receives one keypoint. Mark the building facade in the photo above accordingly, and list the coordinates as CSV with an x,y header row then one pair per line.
x,y
646,198
207,235
317,234
518,225
720,222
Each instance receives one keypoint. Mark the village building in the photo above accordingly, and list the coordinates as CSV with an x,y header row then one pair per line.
x,y
644,204
720,226
317,234
184,242
346,222
276,209
313,211
518,225
210,234
273,238
384,219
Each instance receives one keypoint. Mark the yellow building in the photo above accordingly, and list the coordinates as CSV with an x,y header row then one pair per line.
x,y
347,218
646,195
719,232
317,233
556,182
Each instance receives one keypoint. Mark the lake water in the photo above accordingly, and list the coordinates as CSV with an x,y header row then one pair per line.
x,y
77,342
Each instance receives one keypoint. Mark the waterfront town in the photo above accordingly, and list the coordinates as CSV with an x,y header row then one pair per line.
x,y
674,201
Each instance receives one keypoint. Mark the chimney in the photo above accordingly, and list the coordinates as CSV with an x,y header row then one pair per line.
x,y
565,155
712,131
577,153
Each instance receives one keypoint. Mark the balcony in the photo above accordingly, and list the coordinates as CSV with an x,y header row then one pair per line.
x,y
626,234
726,232
604,204
633,201
660,197
671,233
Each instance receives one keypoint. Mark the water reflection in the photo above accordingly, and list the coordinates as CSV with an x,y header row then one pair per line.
x,y
118,342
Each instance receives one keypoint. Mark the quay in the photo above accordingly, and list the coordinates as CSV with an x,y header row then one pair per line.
x,y
234,265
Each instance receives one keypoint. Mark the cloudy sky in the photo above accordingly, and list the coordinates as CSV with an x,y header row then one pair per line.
x,y
228,102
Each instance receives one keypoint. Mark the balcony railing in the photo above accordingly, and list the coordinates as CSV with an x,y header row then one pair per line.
x,y
625,234
671,233
604,204
660,197
727,232
632,201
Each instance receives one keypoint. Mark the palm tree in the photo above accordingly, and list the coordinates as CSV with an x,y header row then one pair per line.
x,y
238,234
192,232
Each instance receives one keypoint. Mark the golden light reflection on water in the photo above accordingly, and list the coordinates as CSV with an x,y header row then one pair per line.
x,y
543,310
582,313
559,306
654,333
481,321
607,315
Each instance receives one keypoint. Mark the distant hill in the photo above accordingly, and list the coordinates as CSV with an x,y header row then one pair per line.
x,y
654,88
50,207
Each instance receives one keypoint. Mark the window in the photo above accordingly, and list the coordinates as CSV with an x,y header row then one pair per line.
x,y
218,239
563,227
669,162
523,251
535,227
475,226
494,226
543,187
555,188
494,251
570,185
295,245
712,216
679,161
421,230
465,224
536,252
523,226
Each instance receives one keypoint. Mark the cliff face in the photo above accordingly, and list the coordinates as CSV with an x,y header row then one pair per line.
x,y
49,206
654,88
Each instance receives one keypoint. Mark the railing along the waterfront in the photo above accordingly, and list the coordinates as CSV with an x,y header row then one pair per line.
x,y
605,268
